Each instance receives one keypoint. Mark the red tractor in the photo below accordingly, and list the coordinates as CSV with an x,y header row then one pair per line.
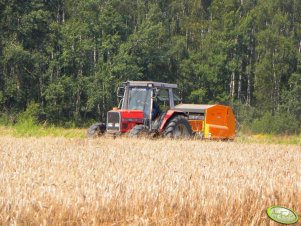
x,y
149,107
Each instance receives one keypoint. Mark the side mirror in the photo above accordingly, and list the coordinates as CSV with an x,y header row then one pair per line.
x,y
120,92
120,103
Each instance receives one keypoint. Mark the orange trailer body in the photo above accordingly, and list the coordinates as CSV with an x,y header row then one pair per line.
x,y
210,121
220,122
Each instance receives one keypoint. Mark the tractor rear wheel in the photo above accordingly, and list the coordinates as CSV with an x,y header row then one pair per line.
x,y
96,130
178,127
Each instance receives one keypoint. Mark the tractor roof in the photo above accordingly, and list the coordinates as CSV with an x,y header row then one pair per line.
x,y
150,83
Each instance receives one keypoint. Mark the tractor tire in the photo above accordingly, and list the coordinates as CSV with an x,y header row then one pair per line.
x,y
96,130
136,131
178,127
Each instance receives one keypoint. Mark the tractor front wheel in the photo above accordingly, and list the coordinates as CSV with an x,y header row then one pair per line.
x,y
178,127
136,131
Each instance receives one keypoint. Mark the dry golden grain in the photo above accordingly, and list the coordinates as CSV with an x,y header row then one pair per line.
x,y
59,181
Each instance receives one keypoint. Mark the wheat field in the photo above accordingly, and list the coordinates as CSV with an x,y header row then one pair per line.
x,y
60,181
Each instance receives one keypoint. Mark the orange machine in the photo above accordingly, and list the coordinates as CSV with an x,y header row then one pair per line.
x,y
210,121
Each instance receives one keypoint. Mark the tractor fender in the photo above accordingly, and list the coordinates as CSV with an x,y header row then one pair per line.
x,y
169,114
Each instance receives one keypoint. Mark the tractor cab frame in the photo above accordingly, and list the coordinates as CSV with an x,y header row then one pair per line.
x,y
142,95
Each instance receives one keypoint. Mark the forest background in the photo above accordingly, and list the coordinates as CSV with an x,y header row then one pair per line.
x,y
61,60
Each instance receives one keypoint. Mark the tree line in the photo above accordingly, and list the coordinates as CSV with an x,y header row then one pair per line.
x,y
68,57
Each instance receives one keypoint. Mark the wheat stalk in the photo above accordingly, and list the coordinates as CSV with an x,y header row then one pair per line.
x,y
58,181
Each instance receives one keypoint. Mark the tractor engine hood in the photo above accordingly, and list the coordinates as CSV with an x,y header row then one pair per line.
x,y
122,120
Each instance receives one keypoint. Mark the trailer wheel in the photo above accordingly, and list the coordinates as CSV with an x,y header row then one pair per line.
x,y
178,127
96,130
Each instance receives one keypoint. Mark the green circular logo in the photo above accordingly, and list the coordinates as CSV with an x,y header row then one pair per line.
x,y
282,215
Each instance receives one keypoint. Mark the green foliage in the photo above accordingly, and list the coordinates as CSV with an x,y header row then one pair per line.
x,y
27,121
245,114
70,56
280,123
41,131
4,119
30,114
270,139
197,96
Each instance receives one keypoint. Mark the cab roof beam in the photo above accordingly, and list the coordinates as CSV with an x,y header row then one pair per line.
x,y
150,84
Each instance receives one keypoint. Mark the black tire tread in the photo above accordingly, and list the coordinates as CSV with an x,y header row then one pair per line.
x,y
96,130
176,120
136,130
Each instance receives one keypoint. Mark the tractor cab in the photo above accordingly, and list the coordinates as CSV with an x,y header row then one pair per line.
x,y
143,95
140,103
